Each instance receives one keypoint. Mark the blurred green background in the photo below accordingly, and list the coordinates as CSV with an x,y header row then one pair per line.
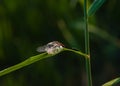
x,y
28,24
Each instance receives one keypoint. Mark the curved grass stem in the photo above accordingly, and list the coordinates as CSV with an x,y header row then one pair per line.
x,y
34,59
24,63
78,52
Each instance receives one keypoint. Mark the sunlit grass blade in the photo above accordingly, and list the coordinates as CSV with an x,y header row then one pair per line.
x,y
112,82
95,6
24,63
35,59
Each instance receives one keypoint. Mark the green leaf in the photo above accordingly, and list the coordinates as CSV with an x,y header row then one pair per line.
x,y
112,82
95,6
24,63
35,59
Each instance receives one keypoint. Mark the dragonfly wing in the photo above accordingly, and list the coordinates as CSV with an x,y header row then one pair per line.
x,y
41,48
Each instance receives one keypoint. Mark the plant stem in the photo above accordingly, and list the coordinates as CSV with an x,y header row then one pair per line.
x,y
78,52
87,46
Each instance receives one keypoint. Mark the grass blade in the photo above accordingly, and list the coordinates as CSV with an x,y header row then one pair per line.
x,y
35,59
95,6
24,63
112,82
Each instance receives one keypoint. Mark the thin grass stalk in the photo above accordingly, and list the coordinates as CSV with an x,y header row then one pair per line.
x,y
87,46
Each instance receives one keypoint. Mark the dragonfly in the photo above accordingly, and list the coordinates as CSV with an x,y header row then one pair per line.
x,y
51,48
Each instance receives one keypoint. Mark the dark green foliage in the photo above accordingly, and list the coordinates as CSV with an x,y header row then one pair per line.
x,y
28,24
